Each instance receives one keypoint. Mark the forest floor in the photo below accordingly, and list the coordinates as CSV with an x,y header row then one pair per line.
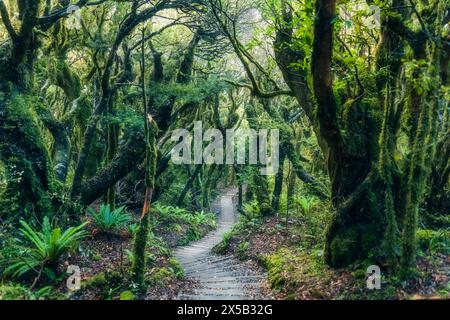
x,y
179,267
105,260
293,261
260,258
227,256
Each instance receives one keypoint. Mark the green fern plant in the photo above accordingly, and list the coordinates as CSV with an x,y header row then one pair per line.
x,y
46,247
434,240
107,220
306,204
252,209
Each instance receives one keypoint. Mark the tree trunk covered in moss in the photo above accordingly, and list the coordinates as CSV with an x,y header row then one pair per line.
x,y
354,230
423,150
21,149
287,147
438,199
18,65
25,158
188,185
151,155
290,188
278,187
59,131
112,146
259,185
129,156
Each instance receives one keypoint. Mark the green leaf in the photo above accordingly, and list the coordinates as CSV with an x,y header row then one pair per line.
x,y
126,295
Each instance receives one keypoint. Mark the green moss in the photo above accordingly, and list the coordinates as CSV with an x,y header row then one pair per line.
x,y
25,157
344,247
14,292
224,245
96,281
139,256
126,295
176,267
288,269
434,240
161,276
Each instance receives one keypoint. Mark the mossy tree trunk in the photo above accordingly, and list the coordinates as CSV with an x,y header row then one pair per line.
x,y
151,154
278,187
112,146
21,149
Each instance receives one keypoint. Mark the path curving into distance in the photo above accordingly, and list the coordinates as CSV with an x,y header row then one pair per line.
x,y
219,277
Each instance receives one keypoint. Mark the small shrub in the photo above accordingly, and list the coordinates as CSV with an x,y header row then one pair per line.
x,y
176,267
242,250
306,204
109,221
161,276
126,295
191,226
223,245
109,283
18,292
133,228
434,241
252,209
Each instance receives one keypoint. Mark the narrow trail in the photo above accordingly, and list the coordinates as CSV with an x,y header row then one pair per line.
x,y
219,277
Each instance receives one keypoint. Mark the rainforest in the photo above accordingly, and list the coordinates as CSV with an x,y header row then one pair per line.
x,y
224,150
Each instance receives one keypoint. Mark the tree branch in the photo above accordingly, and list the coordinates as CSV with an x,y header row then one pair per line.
x,y
260,94
7,22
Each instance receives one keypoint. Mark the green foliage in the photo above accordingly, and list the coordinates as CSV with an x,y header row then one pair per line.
x,y
176,267
157,245
434,241
223,246
288,268
133,229
163,275
15,291
306,203
197,223
126,295
315,215
45,247
106,220
242,250
252,209
194,92
109,283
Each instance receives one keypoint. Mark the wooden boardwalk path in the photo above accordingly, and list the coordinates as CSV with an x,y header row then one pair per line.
x,y
220,277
